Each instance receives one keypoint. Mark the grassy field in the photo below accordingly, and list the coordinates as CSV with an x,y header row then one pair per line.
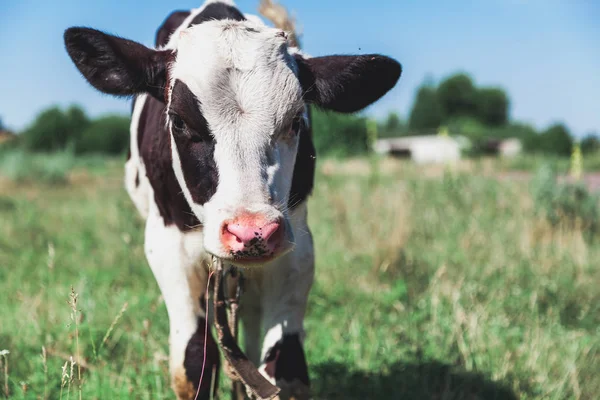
x,y
430,285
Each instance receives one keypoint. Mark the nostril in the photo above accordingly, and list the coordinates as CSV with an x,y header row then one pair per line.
x,y
251,239
236,231
270,231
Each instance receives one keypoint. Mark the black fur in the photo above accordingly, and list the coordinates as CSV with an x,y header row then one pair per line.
x,y
347,83
194,357
218,11
170,25
155,150
117,66
304,169
195,145
291,362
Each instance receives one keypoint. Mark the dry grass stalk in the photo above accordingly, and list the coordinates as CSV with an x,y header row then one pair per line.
x,y
45,364
279,16
51,256
113,324
75,317
71,378
4,354
67,357
64,378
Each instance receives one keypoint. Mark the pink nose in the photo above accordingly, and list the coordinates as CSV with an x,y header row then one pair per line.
x,y
250,237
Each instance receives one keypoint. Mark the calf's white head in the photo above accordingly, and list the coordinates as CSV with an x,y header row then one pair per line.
x,y
235,101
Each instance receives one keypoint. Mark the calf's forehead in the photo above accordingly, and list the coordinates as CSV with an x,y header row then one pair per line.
x,y
239,69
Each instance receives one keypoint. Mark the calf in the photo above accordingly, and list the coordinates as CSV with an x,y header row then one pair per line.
x,y
222,163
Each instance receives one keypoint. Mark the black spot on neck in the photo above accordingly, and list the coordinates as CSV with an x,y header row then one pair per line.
x,y
218,11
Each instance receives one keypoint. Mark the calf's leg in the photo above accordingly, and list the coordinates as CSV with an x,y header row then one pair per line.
x,y
175,259
286,284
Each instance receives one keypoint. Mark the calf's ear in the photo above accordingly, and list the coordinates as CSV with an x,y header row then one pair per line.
x,y
347,83
117,66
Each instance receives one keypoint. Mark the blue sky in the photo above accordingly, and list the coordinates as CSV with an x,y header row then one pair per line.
x,y
545,53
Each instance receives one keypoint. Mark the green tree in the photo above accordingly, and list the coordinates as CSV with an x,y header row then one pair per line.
x,y
339,134
78,122
527,134
426,113
54,129
468,127
393,122
556,140
492,106
457,97
393,126
2,127
106,135
48,132
590,143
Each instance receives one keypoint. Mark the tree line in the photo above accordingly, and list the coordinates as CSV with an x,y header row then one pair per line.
x,y
57,129
61,129
477,113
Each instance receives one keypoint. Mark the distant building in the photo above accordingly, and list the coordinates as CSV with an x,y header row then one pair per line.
x,y
510,147
503,147
421,149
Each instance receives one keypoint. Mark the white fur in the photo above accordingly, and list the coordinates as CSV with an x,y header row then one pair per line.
x,y
172,42
275,297
286,284
244,79
254,19
134,167
176,260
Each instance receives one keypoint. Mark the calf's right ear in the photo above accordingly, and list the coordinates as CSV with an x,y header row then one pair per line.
x,y
117,66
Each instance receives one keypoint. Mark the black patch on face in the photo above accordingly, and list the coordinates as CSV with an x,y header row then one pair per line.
x,y
218,11
155,150
304,169
137,178
170,25
290,363
194,359
195,145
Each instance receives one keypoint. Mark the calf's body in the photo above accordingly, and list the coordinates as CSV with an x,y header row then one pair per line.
x,y
222,163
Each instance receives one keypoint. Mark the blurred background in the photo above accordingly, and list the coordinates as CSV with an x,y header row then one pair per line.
x,y
474,274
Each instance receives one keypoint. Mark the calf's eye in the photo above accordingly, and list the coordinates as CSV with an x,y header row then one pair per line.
x,y
177,122
296,125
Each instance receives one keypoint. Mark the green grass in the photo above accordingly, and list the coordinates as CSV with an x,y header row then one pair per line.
x,y
447,287
532,162
21,166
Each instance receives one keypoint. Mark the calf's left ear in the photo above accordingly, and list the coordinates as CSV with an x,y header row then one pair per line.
x,y
117,66
347,83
